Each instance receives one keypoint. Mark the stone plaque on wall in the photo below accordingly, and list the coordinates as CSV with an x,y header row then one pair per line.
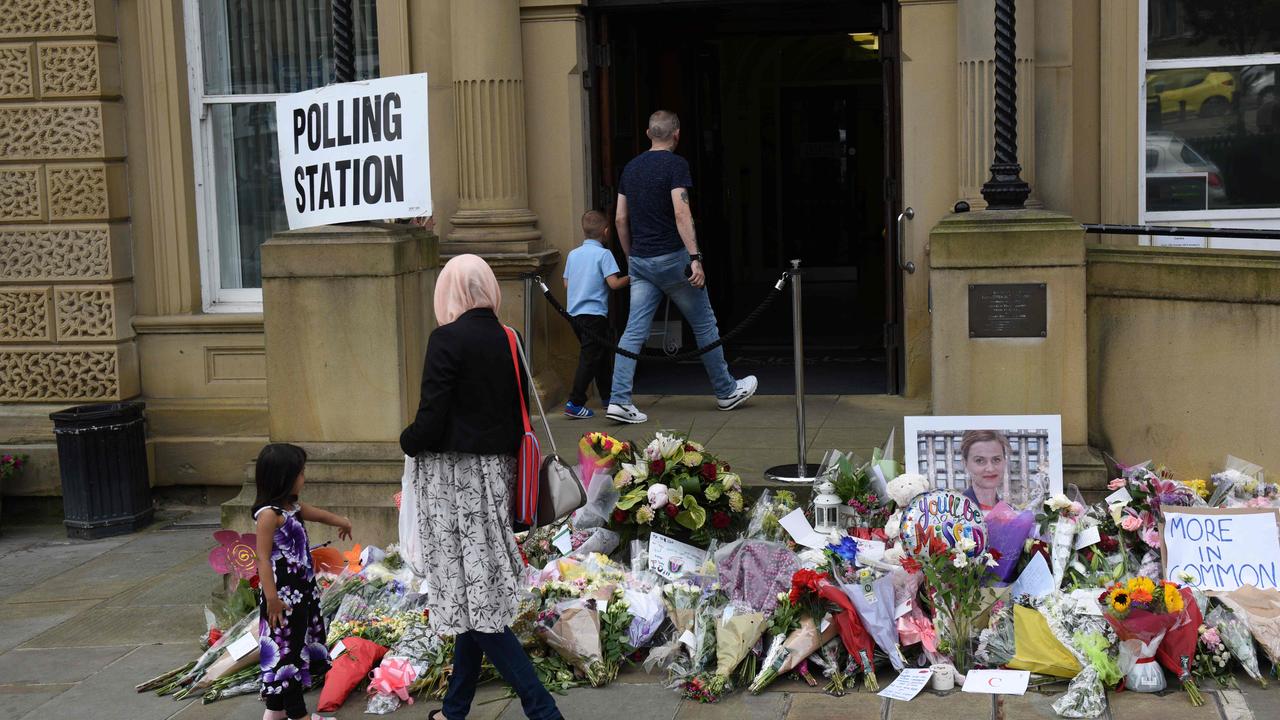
x,y
1010,310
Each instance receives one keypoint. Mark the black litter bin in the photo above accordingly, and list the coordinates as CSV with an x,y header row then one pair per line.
x,y
102,450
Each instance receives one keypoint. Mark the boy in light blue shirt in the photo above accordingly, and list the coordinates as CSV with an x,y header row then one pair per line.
x,y
590,272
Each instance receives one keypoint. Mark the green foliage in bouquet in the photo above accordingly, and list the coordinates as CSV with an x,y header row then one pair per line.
x,y
854,487
674,486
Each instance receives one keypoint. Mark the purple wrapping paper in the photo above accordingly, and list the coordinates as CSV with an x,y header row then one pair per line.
x,y
1007,531
753,572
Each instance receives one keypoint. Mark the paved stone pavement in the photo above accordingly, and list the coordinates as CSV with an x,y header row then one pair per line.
x,y
760,435
82,622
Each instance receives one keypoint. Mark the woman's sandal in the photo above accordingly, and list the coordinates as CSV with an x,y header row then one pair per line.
x,y
436,715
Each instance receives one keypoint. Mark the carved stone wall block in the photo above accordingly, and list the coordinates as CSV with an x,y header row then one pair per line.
x,y
21,195
93,313
78,69
59,374
24,314
61,131
15,71
28,18
87,192
43,253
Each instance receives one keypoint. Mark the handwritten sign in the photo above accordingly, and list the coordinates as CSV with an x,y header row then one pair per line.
x,y
909,684
1221,548
944,515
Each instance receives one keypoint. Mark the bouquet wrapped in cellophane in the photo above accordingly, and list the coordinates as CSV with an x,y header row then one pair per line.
x,y
1140,618
1235,634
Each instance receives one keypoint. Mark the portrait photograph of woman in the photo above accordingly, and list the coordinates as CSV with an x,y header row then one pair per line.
x,y
1016,459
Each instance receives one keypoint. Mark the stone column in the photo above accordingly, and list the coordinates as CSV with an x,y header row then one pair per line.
x,y
346,314
1043,375
488,82
66,272
975,85
493,218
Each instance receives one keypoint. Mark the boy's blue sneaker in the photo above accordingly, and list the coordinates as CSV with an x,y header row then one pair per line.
x,y
577,412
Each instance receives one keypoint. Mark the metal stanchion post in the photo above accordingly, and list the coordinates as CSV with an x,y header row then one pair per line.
x,y
801,471
528,323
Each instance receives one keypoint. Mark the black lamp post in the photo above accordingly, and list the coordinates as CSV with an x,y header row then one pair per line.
x,y
1006,189
344,63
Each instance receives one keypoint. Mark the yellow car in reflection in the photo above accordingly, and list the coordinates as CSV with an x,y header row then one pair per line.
x,y
1198,91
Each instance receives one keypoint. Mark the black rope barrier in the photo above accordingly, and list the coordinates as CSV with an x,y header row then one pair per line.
x,y
769,299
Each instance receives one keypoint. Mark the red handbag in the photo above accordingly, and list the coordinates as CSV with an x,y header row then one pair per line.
x,y
529,459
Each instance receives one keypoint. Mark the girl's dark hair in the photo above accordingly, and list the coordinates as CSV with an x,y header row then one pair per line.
x,y
279,465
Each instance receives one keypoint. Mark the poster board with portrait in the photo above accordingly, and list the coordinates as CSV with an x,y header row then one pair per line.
x,y
1018,457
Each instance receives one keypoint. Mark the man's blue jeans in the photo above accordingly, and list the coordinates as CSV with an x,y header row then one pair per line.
x,y
651,279
504,651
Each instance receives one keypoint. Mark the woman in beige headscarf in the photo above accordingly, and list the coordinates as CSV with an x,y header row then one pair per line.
x,y
465,438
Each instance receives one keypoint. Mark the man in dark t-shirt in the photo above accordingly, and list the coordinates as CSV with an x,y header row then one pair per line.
x,y
655,229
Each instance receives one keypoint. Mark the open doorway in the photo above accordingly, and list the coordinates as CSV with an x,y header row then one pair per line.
x,y
788,121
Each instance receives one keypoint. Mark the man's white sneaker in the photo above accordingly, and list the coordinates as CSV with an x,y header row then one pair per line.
x,y
625,414
746,388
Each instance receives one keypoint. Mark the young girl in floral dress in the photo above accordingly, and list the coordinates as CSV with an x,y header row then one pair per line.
x,y
291,631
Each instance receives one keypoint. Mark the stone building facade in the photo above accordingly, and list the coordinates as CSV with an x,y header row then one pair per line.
x,y
127,126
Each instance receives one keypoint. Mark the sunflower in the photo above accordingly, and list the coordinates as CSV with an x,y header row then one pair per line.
x,y
1142,583
1172,598
1118,599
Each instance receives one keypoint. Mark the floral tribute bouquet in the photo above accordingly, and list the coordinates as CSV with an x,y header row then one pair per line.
x,y
1213,658
680,602
598,454
784,620
1137,519
1061,520
539,549
675,487
572,628
872,595
1090,639
1242,484
797,617
1235,636
1007,532
853,634
754,576
766,516
856,488
1141,611
1177,652
953,592
381,618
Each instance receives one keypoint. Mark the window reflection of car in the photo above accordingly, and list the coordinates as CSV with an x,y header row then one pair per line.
x,y
1259,81
1168,154
1199,91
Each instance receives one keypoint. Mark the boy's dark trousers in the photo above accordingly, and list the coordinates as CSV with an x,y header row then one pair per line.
x,y
595,360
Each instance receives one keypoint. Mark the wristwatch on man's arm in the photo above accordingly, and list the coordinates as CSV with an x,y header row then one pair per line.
x,y
695,257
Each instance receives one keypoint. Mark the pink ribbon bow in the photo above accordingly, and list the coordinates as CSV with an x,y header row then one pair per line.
x,y
914,628
393,677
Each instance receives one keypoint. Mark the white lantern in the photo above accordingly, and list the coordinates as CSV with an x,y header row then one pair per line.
x,y
826,509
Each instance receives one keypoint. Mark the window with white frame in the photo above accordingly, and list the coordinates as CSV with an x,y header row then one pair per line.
x,y
242,55
1211,126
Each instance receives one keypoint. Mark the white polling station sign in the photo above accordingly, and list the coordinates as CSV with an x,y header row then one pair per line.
x,y
355,151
